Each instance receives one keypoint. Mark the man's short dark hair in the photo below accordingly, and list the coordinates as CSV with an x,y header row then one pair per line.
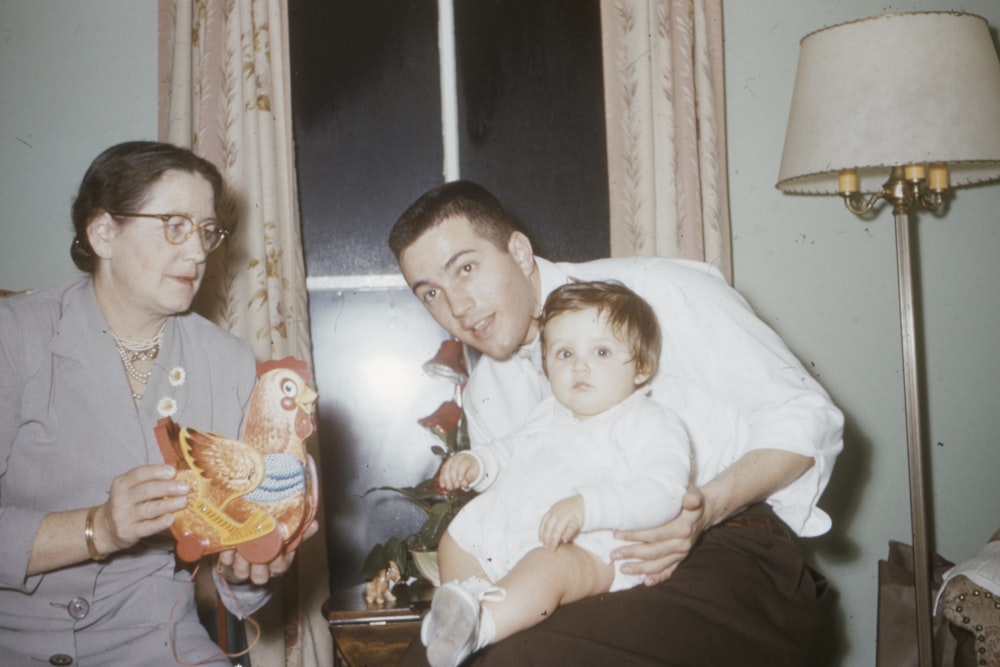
x,y
464,199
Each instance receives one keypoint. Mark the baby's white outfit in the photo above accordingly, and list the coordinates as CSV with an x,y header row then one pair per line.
x,y
631,464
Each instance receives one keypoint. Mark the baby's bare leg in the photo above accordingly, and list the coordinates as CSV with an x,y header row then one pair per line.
x,y
455,563
543,580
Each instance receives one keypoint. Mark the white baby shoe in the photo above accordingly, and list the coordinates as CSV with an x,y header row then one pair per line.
x,y
457,626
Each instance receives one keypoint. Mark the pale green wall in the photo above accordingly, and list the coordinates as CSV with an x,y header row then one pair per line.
x,y
827,282
76,77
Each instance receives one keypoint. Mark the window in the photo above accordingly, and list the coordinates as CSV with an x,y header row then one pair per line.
x,y
368,130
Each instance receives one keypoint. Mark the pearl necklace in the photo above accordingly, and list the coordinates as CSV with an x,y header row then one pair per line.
x,y
131,351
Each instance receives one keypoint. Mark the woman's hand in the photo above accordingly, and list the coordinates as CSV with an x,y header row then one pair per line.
x,y
237,570
562,523
662,548
458,472
141,503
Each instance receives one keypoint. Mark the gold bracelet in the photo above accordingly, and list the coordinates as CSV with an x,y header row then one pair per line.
x,y
88,532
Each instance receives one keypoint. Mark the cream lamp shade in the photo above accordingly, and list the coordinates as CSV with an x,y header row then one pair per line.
x,y
893,90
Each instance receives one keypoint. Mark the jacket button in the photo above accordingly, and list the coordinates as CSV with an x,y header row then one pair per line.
x,y
78,609
61,659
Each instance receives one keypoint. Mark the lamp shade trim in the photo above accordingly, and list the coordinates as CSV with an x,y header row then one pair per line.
x,y
872,177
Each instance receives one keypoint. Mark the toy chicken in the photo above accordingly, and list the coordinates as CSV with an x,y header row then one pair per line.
x,y
256,495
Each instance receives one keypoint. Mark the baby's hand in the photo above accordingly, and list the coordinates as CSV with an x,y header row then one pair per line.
x,y
458,472
562,523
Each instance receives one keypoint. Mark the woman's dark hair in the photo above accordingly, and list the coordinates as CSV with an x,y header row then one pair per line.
x,y
119,180
469,200
630,317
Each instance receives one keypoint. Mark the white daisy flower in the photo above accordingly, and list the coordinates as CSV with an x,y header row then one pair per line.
x,y
177,376
167,407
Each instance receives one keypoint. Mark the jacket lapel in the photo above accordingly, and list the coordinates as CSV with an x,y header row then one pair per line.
x,y
87,366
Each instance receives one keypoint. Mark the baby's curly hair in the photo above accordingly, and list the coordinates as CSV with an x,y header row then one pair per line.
x,y
630,317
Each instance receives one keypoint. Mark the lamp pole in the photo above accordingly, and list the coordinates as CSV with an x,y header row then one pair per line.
x,y
908,187
914,438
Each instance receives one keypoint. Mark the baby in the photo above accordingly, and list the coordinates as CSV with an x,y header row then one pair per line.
x,y
596,456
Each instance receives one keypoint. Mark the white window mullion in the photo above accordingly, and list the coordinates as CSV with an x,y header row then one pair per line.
x,y
449,88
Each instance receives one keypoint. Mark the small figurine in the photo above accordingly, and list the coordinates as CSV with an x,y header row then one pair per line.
x,y
379,589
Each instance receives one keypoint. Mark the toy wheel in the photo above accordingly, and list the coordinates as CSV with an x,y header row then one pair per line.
x,y
191,548
262,549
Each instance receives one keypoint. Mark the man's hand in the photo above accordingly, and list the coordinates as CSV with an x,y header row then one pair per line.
x,y
752,478
237,570
458,472
663,547
562,523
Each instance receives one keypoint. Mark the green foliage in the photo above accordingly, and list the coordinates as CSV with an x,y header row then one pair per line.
x,y
439,509
380,556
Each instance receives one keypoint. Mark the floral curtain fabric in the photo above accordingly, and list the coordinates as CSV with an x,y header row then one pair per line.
x,y
224,92
664,101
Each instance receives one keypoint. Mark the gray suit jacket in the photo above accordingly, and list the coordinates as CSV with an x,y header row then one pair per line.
x,y
68,426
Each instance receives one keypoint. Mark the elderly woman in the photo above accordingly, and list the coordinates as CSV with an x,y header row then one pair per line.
x,y
87,572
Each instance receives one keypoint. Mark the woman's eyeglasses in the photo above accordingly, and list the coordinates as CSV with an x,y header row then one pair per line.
x,y
178,228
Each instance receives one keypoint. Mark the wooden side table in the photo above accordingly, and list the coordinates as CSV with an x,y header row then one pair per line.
x,y
372,635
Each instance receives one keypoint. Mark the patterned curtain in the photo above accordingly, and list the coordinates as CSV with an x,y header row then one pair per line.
x,y
224,92
664,101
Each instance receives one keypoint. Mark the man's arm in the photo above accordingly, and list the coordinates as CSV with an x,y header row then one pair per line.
x,y
753,478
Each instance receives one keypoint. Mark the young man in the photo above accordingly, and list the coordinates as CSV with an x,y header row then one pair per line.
x,y
725,580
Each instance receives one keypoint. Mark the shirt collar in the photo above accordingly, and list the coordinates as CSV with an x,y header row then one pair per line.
x,y
529,351
550,277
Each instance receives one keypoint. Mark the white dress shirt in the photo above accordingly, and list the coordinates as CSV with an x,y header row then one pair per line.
x,y
732,380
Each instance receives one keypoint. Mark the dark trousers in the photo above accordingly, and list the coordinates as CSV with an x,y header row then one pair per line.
x,y
743,596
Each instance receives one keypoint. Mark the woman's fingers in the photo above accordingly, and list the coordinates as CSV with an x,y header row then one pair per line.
x,y
141,503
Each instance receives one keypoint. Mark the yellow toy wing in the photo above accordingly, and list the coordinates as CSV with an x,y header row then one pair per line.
x,y
231,467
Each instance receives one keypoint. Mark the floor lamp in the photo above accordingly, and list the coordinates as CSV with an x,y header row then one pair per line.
x,y
897,108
